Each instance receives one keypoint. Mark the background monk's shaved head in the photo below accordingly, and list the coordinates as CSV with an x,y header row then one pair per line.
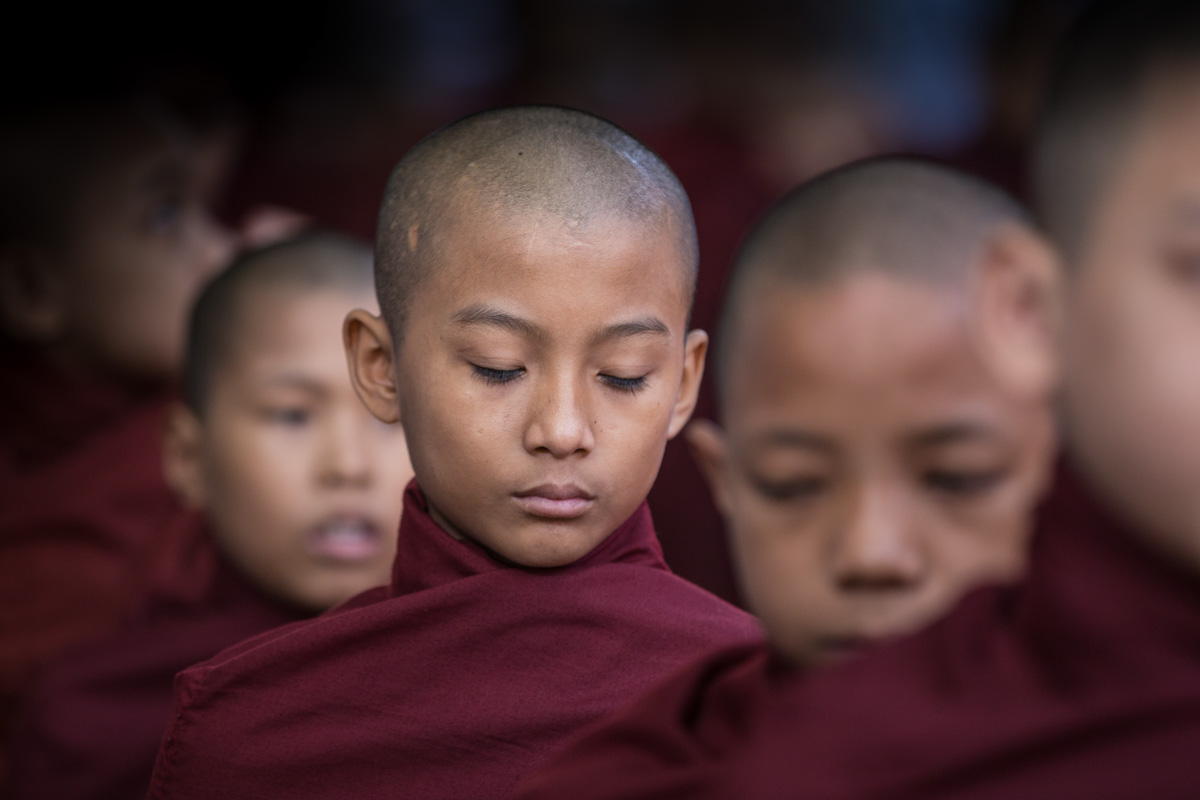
x,y
1095,100
909,219
314,261
515,163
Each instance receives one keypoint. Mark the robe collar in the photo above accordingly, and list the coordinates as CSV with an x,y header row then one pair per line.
x,y
427,556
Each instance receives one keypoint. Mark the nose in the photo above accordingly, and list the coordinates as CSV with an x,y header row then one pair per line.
x,y
560,421
346,453
878,548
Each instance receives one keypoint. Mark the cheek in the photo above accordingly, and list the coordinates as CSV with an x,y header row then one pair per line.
x,y
778,555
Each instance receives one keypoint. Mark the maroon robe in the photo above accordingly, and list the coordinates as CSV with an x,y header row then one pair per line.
x,y
1083,681
92,726
88,527
454,681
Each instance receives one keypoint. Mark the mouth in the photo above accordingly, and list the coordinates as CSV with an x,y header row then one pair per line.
x,y
346,538
555,500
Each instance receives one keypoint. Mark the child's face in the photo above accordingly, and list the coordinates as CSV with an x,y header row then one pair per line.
x,y
1132,327
871,471
141,243
543,368
302,485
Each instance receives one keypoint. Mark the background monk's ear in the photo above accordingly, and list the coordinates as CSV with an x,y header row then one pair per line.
x,y
32,294
694,351
706,440
1018,310
371,357
183,457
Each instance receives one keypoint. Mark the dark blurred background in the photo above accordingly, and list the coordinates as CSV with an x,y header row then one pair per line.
x,y
315,103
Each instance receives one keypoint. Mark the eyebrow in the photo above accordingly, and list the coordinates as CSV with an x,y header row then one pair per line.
x,y
294,380
950,433
167,174
799,439
491,317
485,315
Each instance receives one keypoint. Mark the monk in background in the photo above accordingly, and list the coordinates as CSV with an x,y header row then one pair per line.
x,y
1080,681
300,488
876,462
105,239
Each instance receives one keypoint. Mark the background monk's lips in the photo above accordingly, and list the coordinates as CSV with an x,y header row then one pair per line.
x,y
557,501
345,538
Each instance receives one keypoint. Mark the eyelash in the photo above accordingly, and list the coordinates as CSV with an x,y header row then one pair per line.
x,y
499,377
493,377
631,385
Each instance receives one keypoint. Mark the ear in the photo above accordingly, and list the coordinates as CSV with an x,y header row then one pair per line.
x,y
707,442
371,356
183,457
1017,311
694,350
33,302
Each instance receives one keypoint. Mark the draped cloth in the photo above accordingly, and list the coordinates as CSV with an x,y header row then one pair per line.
x,y
454,681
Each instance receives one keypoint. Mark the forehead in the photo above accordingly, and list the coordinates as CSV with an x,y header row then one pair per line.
x,y
289,326
1158,173
864,353
604,264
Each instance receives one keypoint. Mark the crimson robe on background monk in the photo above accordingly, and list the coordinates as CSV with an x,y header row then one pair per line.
x,y
88,527
1083,681
91,727
454,681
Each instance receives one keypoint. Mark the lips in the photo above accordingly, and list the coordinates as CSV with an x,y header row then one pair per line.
x,y
346,538
555,500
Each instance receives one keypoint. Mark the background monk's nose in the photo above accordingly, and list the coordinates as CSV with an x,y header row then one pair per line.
x,y
345,457
877,549
561,422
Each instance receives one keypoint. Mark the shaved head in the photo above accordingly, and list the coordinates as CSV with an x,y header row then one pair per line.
x,y
1094,103
510,164
908,219
311,262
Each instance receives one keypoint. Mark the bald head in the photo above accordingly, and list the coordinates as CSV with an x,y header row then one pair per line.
x,y
312,262
1095,103
911,220
508,165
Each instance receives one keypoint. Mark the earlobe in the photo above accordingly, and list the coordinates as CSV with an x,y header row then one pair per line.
x,y
694,352
706,440
1017,310
32,297
183,457
370,355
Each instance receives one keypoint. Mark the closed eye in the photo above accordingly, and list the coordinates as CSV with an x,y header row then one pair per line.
x,y
631,385
962,483
791,490
493,377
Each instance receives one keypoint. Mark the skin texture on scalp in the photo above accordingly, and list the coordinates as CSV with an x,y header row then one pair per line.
x,y
903,218
518,162
311,261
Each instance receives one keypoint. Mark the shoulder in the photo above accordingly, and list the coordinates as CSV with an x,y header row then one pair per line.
x,y
666,742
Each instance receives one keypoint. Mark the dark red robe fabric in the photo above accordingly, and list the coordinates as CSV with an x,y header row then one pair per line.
x,y
1083,681
453,682
91,727
88,527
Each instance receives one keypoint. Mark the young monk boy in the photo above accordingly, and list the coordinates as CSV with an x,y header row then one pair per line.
x,y
876,461
301,489
104,240
535,268
1081,680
